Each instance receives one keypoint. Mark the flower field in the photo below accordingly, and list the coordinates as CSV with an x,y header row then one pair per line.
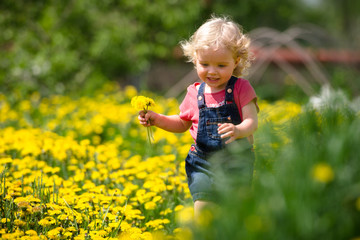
x,y
84,169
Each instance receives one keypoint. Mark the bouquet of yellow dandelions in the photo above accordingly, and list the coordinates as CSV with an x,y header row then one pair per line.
x,y
143,103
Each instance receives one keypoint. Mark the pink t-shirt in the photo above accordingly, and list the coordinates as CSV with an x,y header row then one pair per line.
x,y
243,94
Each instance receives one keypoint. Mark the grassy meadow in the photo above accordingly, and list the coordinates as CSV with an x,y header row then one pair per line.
x,y
84,169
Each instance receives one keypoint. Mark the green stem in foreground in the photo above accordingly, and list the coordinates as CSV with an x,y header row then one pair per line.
x,y
150,134
149,129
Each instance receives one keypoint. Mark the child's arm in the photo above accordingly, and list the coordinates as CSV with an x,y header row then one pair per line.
x,y
246,128
171,123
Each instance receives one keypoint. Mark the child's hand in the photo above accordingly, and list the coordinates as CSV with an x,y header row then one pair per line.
x,y
147,119
228,130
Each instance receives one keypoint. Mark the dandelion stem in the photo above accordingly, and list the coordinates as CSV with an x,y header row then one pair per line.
x,y
107,210
54,191
4,191
121,219
72,212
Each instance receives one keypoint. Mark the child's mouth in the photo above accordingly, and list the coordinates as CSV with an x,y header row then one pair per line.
x,y
212,79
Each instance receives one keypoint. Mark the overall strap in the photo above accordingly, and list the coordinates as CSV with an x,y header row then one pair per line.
x,y
229,91
200,96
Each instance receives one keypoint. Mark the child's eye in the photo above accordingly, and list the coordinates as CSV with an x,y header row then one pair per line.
x,y
222,65
204,64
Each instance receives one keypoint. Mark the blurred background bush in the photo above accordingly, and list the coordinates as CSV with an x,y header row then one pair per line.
x,y
74,47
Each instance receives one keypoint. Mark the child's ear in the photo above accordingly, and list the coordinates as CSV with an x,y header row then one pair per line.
x,y
237,60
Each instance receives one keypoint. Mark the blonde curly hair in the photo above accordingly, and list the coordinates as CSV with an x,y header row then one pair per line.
x,y
218,32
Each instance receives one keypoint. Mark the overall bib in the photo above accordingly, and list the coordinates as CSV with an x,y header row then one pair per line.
x,y
208,142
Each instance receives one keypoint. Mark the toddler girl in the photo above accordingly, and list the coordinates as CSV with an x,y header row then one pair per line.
x,y
217,111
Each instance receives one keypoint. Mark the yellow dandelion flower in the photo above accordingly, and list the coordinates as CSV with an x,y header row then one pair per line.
x,y
141,175
205,218
150,205
54,212
24,205
68,235
47,221
130,91
55,233
125,226
31,232
143,103
184,215
36,209
19,223
157,199
183,233
322,172
157,223
5,220
6,160
166,211
178,208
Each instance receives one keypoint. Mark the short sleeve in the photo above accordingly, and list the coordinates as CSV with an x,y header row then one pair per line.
x,y
245,93
189,104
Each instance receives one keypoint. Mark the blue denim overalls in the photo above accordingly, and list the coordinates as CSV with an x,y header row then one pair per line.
x,y
208,141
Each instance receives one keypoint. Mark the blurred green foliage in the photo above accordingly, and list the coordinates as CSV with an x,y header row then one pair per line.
x,y
338,17
306,183
54,46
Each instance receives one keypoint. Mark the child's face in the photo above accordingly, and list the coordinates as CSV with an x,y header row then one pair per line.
x,y
215,67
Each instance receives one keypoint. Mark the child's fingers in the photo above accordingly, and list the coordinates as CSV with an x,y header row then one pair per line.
x,y
143,118
148,116
220,128
142,113
227,130
230,136
227,135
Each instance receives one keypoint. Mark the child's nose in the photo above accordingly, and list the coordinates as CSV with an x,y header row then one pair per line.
x,y
212,70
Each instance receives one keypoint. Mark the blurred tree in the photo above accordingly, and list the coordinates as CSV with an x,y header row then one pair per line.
x,y
257,13
54,46
343,19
